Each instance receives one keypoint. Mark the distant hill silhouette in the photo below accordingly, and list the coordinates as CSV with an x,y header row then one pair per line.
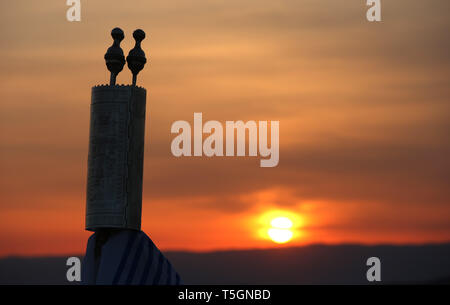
x,y
316,264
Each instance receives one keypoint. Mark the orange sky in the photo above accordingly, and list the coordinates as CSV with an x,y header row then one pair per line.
x,y
363,110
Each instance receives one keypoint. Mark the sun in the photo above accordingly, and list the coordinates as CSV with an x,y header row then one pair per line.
x,y
280,230
280,226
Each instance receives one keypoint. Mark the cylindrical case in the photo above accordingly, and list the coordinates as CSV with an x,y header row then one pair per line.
x,y
116,156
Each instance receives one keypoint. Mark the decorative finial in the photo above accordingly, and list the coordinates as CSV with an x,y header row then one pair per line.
x,y
115,60
136,58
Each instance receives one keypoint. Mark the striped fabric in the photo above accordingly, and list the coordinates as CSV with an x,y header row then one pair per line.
x,y
126,258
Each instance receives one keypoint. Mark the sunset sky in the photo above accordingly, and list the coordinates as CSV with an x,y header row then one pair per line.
x,y
364,112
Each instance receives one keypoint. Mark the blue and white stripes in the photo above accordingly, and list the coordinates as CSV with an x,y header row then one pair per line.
x,y
127,258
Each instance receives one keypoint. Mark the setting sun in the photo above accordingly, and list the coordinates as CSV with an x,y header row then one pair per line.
x,y
280,226
280,230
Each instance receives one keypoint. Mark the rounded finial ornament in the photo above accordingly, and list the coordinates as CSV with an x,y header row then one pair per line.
x,y
136,58
115,60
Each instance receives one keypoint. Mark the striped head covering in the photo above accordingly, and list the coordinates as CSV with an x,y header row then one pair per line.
x,y
125,257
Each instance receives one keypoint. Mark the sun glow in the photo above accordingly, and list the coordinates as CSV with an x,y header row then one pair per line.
x,y
280,236
280,231
281,223
279,226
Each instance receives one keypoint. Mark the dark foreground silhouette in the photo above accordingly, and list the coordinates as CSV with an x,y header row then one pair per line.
x,y
318,264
